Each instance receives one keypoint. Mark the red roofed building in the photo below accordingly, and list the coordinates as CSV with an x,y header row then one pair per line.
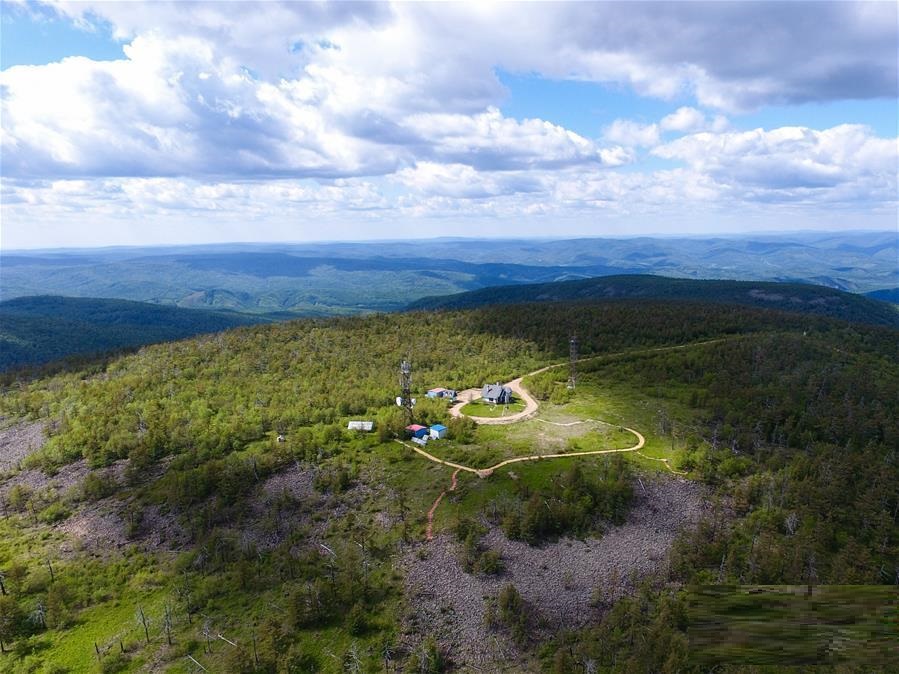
x,y
417,430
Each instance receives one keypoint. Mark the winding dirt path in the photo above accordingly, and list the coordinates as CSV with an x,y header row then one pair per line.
x,y
666,462
487,472
429,534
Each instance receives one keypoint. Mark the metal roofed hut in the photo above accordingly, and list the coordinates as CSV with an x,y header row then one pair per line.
x,y
497,394
417,430
440,392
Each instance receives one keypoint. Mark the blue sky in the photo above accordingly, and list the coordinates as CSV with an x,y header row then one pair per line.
x,y
585,107
200,122
40,37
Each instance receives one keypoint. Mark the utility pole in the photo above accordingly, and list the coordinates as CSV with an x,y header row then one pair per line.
x,y
572,362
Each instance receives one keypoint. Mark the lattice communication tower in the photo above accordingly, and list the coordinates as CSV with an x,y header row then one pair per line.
x,y
406,386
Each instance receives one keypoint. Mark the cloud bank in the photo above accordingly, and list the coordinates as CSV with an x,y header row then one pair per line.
x,y
302,110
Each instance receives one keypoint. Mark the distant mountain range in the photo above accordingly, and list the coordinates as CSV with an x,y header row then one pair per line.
x,y
885,295
793,297
350,278
36,330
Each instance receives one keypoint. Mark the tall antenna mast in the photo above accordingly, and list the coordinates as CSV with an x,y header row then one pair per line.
x,y
406,386
572,362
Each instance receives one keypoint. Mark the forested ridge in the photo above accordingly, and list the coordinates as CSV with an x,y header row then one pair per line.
x,y
47,333
789,419
794,297
38,330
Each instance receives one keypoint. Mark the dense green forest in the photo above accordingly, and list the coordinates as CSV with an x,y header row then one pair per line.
x,y
794,297
38,330
788,419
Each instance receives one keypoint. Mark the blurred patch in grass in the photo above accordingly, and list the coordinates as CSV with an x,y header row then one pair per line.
x,y
790,625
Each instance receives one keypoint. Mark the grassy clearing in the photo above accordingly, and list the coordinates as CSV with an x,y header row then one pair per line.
x,y
481,408
73,649
661,420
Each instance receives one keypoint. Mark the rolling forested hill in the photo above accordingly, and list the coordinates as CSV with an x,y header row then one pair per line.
x,y
885,295
318,279
792,297
153,515
37,330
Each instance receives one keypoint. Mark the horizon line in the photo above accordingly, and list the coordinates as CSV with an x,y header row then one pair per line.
x,y
449,239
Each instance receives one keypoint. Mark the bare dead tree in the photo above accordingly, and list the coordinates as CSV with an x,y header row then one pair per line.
x,y
332,557
207,633
167,624
255,653
387,654
791,523
39,615
143,620
364,564
183,592
811,571
194,661
352,661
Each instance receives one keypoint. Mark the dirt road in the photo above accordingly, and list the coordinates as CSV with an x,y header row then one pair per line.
x,y
530,405
486,472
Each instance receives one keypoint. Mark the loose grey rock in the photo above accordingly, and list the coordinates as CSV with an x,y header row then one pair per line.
x,y
561,581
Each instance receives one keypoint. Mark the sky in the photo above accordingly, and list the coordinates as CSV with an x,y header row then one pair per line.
x,y
193,122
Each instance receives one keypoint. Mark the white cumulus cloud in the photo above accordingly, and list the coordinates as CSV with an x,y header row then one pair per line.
x,y
631,134
844,162
303,110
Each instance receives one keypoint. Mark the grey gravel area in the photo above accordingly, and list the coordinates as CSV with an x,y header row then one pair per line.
x,y
560,581
98,527
288,502
67,477
295,481
18,440
102,527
